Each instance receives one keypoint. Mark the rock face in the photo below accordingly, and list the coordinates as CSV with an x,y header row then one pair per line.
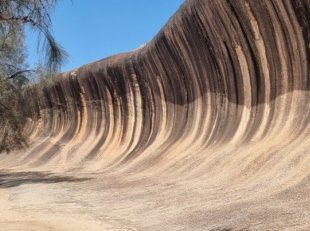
x,y
221,95
221,75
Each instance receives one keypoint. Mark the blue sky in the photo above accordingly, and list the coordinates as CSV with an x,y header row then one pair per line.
x,y
90,30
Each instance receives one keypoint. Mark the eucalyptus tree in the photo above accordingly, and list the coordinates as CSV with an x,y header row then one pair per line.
x,y
15,15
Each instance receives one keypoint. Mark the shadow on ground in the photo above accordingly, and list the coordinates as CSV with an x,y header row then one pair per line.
x,y
14,179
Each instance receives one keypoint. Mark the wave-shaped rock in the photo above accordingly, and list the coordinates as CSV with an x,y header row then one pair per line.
x,y
221,94
219,73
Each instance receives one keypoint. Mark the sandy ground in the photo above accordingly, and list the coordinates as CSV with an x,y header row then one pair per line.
x,y
46,201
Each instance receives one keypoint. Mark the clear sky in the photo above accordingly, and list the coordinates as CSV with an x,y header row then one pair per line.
x,y
90,30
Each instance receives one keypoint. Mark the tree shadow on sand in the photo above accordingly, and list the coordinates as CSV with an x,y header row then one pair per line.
x,y
14,179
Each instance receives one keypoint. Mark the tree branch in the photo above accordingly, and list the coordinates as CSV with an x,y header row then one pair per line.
x,y
4,106
24,19
18,73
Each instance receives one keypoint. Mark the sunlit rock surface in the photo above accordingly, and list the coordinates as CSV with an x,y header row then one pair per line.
x,y
204,127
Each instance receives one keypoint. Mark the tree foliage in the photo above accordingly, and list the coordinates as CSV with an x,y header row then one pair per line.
x,y
14,74
34,13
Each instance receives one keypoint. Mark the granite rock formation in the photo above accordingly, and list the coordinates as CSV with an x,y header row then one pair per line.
x,y
219,97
